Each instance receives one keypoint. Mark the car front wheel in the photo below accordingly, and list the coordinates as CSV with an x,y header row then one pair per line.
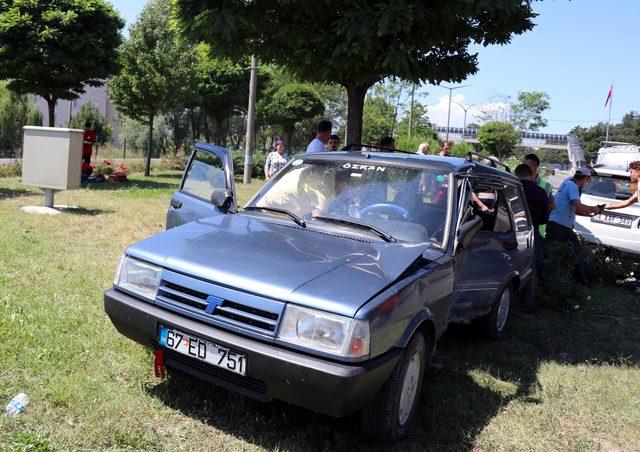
x,y
389,415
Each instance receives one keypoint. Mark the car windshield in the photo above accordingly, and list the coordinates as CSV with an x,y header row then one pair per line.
x,y
610,187
400,203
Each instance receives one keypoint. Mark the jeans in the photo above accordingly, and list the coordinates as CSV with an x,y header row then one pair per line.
x,y
538,243
558,233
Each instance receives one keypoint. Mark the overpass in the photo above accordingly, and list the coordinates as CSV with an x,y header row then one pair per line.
x,y
568,143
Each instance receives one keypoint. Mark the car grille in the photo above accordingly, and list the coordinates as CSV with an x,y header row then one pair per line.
x,y
230,312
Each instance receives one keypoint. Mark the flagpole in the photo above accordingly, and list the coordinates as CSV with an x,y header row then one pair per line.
x,y
609,120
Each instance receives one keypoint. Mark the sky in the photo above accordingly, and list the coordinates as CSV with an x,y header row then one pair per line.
x,y
575,51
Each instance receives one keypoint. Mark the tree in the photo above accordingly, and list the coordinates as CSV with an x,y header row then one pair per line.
x,y
157,68
591,138
498,138
16,111
88,112
526,113
55,48
292,104
377,119
354,43
421,123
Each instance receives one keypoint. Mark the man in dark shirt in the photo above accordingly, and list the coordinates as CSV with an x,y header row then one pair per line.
x,y
538,202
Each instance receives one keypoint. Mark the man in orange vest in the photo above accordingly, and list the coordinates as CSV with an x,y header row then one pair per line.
x,y
89,140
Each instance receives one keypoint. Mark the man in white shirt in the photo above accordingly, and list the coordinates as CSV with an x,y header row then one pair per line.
x,y
323,133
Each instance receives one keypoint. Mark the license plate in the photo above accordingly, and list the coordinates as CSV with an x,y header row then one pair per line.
x,y
206,351
613,220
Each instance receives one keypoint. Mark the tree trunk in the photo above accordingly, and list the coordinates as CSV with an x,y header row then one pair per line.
x,y
147,168
51,102
290,138
206,128
355,107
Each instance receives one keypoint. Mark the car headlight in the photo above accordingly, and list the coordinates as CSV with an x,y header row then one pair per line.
x,y
329,333
138,277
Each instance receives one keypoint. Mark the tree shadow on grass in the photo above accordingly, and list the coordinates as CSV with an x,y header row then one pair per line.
x,y
83,211
145,184
455,405
7,193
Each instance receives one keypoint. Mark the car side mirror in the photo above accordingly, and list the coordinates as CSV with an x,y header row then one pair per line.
x,y
222,198
468,231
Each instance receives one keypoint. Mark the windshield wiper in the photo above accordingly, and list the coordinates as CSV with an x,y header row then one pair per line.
x,y
385,236
299,221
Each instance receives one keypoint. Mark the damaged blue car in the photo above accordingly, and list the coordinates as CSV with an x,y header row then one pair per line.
x,y
331,287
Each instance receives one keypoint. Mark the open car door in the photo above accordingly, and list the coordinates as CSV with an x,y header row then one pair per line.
x,y
207,186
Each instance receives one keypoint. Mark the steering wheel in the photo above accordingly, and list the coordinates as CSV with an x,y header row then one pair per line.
x,y
391,211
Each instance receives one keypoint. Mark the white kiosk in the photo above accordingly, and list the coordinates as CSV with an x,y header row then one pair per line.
x,y
52,159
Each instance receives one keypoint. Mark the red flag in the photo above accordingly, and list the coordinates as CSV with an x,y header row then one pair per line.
x,y
609,95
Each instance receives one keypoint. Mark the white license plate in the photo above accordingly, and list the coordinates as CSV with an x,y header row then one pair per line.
x,y
206,351
613,220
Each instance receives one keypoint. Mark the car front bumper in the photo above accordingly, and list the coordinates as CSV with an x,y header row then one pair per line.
x,y
273,372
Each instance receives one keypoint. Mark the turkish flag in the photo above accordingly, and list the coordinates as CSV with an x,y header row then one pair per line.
x,y
609,95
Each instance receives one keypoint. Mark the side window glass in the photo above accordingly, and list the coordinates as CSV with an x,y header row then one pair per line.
x,y
503,218
518,207
204,175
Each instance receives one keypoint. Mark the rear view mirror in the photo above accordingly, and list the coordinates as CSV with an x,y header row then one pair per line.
x,y
468,231
221,198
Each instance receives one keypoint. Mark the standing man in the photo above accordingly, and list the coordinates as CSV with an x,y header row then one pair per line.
x,y
275,161
563,216
424,148
334,143
533,162
323,133
538,202
89,140
634,169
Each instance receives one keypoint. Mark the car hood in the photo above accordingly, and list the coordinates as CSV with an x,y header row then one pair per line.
x,y
319,269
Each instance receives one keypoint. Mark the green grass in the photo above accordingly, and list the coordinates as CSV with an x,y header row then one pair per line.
x,y
558,381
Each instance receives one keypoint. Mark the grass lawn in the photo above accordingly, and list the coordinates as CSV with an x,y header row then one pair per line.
x,y
558,381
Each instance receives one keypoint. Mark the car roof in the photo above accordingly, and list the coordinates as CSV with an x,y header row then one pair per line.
x,y
611,171
411,160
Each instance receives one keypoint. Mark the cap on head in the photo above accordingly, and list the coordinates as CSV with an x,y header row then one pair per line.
x,y
279,143
583,171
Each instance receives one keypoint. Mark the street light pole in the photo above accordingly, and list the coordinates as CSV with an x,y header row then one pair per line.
x,y
413,90
464,127
251,114
451,88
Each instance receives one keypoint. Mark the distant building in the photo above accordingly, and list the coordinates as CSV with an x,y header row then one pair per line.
x,y
96,96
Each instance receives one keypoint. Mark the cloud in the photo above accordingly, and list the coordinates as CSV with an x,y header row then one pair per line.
x,y
438,111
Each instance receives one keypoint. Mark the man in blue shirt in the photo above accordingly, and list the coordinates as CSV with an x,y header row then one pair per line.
x,y
563,216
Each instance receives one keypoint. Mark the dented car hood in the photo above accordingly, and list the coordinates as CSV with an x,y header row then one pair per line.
x,y
270,257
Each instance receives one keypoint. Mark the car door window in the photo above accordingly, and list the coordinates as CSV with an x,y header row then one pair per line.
x,y
204,175
518,207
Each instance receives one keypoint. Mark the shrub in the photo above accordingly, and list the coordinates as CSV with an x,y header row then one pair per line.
x,y
562,289
257,170
606,265
407,143
174,160
13,169
103,168
137,166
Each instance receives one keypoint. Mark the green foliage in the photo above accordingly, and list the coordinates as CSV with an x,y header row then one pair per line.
x,y
174,160
377,119
99,123
16,111
498,138
291,105
591,138
158,68
13,169
605,265
136,134
561,289
420,124
461,149
257,165
355,44
526,113
411,143
55,48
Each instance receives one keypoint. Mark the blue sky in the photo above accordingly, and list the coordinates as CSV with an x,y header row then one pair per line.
x,y
573,53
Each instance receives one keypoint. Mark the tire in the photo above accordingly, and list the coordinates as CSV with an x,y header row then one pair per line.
x,y
389,416
494,324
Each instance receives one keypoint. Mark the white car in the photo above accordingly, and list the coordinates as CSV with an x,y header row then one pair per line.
x,y
616,228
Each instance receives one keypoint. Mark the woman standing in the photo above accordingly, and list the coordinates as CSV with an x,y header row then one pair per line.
x,y
275,161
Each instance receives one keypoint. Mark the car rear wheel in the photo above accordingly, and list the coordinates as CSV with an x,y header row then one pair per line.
x,y
495,323
389,416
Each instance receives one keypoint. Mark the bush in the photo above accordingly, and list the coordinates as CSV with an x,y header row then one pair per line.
x,y
137,166
257,170
461,149
13,169
562,289
174,160
407,143
103,168
606,265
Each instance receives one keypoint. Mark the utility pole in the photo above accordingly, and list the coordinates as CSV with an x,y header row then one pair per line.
x,y
464,127
451,88
413,91
251,113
